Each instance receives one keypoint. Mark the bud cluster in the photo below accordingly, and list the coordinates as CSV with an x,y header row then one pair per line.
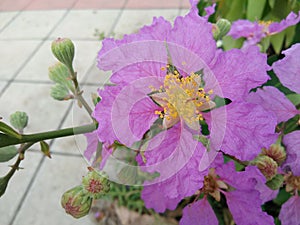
x,y
78,201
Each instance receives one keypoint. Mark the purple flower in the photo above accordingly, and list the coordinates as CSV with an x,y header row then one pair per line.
x,y
171,76
290,211
292,143
271,99
240,193
288,68
255,31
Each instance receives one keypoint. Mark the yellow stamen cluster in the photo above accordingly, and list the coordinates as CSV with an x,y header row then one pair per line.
x,y
183,97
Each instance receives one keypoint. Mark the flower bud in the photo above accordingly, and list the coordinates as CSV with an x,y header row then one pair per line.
x,y
224,27
19,120
215,31
276,182
60,92
76,203
267,166
63,49
59,74
276,152
95,183
292,182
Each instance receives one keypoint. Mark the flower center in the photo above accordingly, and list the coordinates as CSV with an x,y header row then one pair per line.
x,y
95,186
182,97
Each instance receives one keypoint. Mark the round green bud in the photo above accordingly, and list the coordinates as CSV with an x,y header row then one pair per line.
x,y
19,120
95,183
63,49
60,92
224,27
76,203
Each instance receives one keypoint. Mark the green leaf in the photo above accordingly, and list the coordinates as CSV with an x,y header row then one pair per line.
x,y
7,153
271,3
229,43
294,98
45,148
282,197
6,140
9,130
237,10
277,41
290,33
255,9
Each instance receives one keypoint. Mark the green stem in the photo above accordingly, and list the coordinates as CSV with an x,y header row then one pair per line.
x,y
8,140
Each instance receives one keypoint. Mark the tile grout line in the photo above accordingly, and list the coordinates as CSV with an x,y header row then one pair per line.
x,y
14,17
19,207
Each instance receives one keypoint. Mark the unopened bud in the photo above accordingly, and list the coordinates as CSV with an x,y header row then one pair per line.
x,y
59,74
276,152
63,49
224,27
76,203
19,120
95,183
267,166
216,31
60,92
292,182
276,182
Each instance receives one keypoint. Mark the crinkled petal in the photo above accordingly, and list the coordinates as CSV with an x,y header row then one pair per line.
x,y
292,143
271,99
189,40
244,195
290,20
244,28
288,68
245,207
290,211
92,144
125,114
147,44
197,213
243,130
236,75
102,114
209,11
175,155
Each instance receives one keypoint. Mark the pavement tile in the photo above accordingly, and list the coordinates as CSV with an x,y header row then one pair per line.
x,y
82,24
99,4
13,55
44,112
17,185
132,20
185,4
97,77
2,84
50,5
37,68
32,24
42,204
8,5
6,17
156,4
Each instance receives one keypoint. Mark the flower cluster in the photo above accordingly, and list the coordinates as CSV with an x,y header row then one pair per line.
x,y
180,105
